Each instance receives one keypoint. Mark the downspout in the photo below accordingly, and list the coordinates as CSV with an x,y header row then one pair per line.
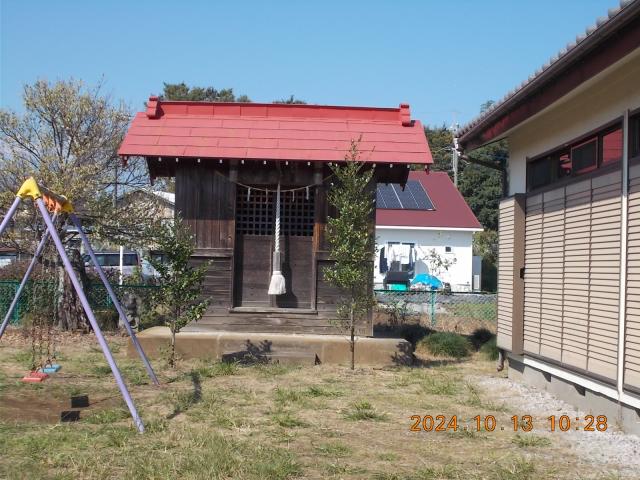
x,y
501,357
623,254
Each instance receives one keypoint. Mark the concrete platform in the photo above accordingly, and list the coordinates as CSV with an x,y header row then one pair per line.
x,y
275,347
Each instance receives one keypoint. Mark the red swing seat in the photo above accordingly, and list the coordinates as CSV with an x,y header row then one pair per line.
x,y
35,377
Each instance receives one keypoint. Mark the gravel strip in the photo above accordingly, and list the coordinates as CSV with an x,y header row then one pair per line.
x,y
611,448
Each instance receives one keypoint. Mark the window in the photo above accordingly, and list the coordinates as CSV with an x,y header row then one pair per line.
x,y
564,165
7,258
113,259
158,257
634,136
612,146
540,173
255,212
447,249
583,156
129,259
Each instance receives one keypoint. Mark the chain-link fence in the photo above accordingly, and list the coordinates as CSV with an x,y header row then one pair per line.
x,y
136,299
460,312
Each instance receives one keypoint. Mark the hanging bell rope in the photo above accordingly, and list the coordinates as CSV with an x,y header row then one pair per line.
x,y
277,286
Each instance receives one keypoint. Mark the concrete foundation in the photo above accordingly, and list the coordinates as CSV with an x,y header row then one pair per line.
x,y
278,348
623,416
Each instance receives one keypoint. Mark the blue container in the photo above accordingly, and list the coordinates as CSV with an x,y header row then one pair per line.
x,y
51,368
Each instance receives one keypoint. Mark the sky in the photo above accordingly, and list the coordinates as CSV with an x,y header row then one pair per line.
x,y
444,58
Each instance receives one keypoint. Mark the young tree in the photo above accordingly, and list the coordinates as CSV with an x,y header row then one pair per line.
x,y
180,292
437,263
67,138
351,239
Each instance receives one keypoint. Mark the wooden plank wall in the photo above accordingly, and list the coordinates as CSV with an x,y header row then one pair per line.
x,y
206,202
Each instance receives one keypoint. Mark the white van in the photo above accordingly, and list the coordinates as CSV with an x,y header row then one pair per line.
x,y
110,262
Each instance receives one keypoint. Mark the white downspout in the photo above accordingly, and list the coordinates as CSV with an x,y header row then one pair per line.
x,y
623,254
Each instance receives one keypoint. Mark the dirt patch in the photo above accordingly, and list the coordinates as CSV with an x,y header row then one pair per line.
x,y
44,407
19,338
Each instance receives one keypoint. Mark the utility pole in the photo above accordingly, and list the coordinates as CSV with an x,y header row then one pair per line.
x,y
454,161
454,152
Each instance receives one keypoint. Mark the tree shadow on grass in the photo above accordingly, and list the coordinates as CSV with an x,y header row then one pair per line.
x,y
404,355
184,403
252,354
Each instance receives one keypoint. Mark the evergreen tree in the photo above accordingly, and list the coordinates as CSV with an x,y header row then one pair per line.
x,y
181,91
180,292
351,239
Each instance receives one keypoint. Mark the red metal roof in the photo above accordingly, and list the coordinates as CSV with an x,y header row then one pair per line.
x,y
451,211
275,132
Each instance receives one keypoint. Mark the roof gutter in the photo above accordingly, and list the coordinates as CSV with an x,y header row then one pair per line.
x,y
494,166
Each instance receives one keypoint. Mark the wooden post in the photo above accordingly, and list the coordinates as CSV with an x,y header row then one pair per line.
x,y
233,178
318,229
511,274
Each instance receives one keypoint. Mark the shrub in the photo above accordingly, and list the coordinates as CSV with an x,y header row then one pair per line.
x,y
107,319
447,344
490,349
16,270
414,332
480,336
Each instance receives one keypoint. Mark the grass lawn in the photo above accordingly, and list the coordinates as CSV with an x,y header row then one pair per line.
x,y
224,421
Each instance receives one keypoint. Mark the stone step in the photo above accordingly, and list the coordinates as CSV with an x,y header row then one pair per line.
x,y
303,349
282,357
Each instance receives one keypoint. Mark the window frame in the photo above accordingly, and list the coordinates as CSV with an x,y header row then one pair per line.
x,y
634,116
596,134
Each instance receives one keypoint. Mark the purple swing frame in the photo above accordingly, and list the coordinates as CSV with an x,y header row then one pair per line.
x,y
32,190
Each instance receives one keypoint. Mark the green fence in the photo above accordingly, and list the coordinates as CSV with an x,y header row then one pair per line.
x,y
37,292
7,292
455,311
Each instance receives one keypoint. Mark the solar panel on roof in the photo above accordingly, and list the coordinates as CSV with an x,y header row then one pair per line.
x,y
379,200
420,195
389,197
413,197
406,197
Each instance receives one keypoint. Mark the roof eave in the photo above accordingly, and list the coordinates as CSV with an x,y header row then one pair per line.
x,y
475,134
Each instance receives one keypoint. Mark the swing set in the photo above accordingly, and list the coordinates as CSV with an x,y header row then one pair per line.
x,y
52,208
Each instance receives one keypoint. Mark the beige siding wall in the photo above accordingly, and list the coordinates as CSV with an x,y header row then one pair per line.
x,y
632,337
572,273
604,274
533,274
576,274
505,273
573,242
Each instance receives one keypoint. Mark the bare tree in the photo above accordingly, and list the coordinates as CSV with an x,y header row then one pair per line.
x,y
67,138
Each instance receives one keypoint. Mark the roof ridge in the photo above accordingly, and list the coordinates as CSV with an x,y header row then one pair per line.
x,y
156,98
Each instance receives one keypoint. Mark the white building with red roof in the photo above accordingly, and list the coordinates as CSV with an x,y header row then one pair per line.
x,y
428,219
